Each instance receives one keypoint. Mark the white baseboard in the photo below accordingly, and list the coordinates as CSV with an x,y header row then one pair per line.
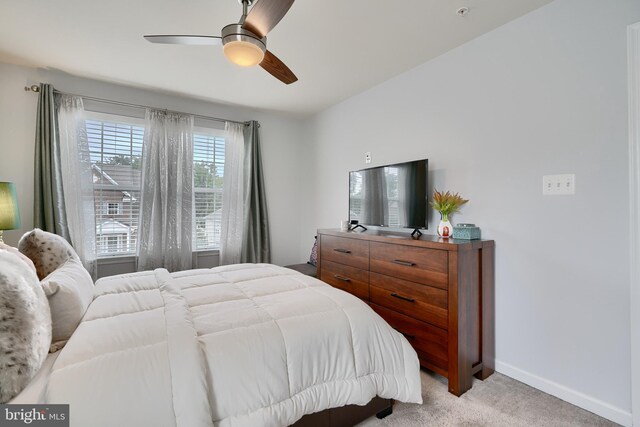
x,y
574,397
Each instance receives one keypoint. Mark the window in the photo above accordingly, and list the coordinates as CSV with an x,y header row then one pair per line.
x,y
115,145
112,208
208,173
111,243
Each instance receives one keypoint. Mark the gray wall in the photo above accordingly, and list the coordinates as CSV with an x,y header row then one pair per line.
x,y
280,138
544,94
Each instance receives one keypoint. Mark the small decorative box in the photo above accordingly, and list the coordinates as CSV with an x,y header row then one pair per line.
x,y
466,231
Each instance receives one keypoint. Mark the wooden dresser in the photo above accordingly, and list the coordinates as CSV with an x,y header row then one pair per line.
x,y
438,292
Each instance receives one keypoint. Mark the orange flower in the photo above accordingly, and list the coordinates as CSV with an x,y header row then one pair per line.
x,y
447,203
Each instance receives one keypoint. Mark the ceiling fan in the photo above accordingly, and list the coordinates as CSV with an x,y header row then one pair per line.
x,y
245,43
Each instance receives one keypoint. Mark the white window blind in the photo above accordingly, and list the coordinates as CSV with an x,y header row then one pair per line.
x,y
208,173
116,159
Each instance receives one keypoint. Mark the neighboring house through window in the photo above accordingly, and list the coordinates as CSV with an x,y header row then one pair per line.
x,y
208,173
115,144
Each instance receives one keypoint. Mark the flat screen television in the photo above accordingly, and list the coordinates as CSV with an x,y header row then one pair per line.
x,y
393,196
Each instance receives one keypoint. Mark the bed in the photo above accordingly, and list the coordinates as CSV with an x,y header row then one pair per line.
x,y
241,345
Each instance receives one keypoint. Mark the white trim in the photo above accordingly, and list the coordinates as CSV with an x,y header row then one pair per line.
x,y
567,394
116,259
633,46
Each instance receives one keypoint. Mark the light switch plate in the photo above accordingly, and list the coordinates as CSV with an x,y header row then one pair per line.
x,y
367,157
559,185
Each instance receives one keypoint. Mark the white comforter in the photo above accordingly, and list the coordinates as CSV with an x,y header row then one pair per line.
x,y
242,345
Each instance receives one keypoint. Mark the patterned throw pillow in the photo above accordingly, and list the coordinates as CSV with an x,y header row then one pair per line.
x,y
48,251
25,325
313,259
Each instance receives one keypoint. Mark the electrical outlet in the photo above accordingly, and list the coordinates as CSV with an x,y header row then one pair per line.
x,y
559,185
367,157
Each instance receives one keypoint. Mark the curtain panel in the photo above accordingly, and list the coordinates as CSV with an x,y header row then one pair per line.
x,y
63,197
164,235
49,208
77,179
256,243
245,223
232,228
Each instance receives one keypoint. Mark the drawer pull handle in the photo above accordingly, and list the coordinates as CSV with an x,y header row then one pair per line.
x,y
405,263
408,336
402,298
342,251
344,279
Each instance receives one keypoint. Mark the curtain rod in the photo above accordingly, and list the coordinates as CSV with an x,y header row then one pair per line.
x,y
36,89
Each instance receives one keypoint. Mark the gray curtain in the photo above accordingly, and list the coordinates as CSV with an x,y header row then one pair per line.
x,y
49,210
256,244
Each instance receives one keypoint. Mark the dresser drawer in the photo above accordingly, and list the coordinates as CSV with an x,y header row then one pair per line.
x,y
349,279
421,302
430,342
345,251
422,265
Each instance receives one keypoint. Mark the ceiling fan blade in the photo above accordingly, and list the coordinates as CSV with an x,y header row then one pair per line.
x,y
189,40
277,69
265,14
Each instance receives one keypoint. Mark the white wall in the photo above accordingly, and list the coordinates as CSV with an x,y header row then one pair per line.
x,y
544,94
280,141
17,142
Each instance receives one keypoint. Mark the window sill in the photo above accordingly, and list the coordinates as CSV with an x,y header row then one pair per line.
x,y
116,259
110,259
207,252
121,264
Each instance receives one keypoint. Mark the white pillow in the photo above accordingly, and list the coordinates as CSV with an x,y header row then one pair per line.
x,y
70,291
20,255
25,325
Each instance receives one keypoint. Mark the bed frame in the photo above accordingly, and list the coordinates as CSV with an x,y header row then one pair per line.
x,y
347,416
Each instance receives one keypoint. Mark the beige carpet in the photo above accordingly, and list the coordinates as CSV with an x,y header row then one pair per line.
x,y
498,401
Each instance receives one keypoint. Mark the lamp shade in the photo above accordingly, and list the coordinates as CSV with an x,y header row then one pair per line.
x,y
9,212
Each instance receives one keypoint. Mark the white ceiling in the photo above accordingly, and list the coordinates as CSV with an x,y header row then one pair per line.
x,y
337,48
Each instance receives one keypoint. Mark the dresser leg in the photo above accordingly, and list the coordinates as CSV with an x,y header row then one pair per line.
x,y
461,387
460,376
488,311
484,373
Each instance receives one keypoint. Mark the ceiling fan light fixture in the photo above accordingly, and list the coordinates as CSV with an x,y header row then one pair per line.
x,y
242,47
244,43
243,53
